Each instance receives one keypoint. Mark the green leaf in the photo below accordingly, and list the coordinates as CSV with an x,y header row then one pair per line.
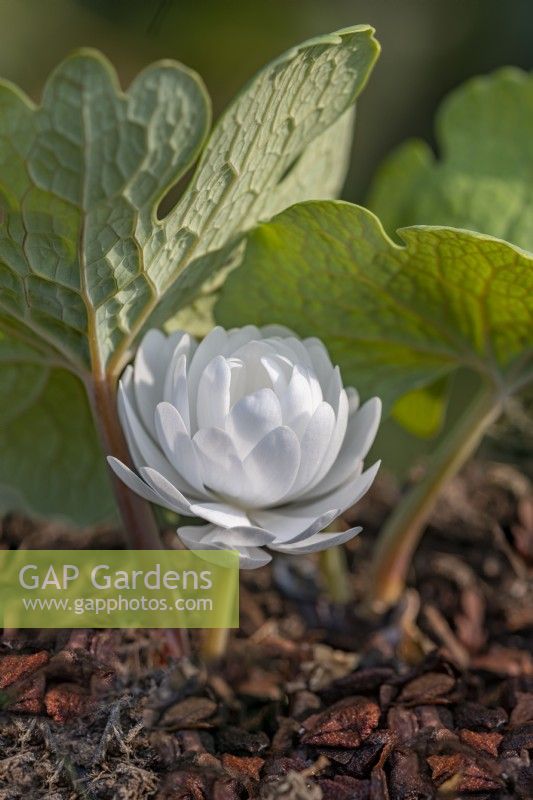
x,y
396,318
482,180
83,257
80,179
319,171
85,263
284,139
47,439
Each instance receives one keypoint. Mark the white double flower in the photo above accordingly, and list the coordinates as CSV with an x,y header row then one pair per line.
x,y
252,431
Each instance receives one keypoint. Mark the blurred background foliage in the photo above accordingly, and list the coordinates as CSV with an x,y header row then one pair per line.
x,y
429,47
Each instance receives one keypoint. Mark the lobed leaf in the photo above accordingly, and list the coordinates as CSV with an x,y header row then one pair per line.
x,y
483,180
85,263
395,318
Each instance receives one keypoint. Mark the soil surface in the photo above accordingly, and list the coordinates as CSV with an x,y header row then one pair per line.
x,y
433,699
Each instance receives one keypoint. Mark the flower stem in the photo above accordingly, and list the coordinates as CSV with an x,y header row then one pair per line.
x,y
214,643
215,640
335,574
137,515
401,534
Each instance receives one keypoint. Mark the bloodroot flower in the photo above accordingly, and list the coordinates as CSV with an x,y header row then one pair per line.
x,y
252,431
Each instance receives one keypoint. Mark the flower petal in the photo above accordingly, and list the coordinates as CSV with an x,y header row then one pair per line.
x,y
251,418
178,447
209,537
221,468
252,376
320,541
213,345
365,424
252,557
360,434
320,360
133,482
246,536
145,452
221,514
172,497
297,400
296,350
275,330
213,396
335,443
287,526
193,536
270,468
176,391
241,536
126,387
314,446
279,370
237,337
353,399
334,390
151,363
225,538
342,497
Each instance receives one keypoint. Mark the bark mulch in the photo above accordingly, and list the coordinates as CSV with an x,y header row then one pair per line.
x,y
433,699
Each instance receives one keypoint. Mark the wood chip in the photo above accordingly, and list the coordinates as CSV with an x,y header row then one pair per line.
x,y
346,724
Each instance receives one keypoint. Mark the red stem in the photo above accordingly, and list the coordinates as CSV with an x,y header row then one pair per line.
x,y
136,513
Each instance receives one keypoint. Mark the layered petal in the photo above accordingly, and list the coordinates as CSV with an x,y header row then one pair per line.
x,y
176,391
151,365
173,437
360,434
314,445
209,537
342,497
336,441
286,525
221,468
143,448
270,468
320,360
251,418
172,497
316,542
297,400
213,394
213,345
133,482
251,431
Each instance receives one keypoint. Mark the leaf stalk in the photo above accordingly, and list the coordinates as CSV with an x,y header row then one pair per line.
x,y
137,515
335,574
402,532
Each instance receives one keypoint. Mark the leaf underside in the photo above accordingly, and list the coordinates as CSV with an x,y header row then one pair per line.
x,y
85,263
